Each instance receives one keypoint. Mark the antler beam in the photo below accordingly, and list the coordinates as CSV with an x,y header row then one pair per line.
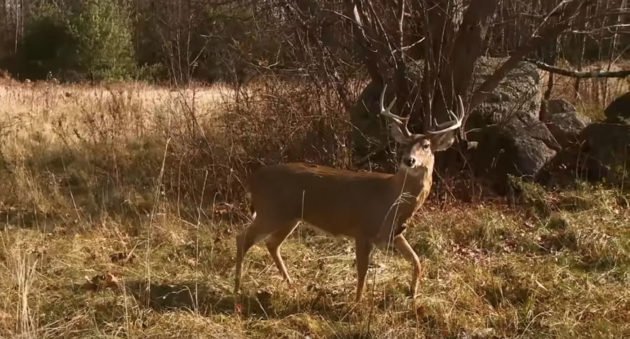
x,y
398,120
453,124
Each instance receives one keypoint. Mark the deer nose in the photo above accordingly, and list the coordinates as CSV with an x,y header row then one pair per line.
x,y
409,162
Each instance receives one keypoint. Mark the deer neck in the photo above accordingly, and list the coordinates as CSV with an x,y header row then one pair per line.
x,y
411,188
412,182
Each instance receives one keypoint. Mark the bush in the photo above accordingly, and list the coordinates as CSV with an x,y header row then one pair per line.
x,y
91,41
48,45
102,30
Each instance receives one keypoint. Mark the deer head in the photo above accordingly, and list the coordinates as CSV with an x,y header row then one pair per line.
x,y
418,149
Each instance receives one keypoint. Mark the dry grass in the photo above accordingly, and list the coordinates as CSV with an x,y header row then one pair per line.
x,y
119,211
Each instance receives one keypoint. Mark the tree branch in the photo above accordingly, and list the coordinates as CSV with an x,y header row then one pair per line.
x,y
578,74
467,48
546,33
369,51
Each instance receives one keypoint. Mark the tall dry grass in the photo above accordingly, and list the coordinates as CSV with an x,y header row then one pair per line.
x,y
90,151
119,208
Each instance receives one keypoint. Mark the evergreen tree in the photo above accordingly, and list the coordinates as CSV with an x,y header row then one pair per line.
x,y
104,44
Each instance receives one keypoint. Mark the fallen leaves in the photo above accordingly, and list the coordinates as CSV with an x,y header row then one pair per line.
x,y
225,209
122,258
108,280
102,282
238,309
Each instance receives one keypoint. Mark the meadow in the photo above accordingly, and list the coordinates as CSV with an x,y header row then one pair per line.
x,y
119,205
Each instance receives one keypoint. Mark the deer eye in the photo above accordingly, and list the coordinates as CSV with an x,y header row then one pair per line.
x,y
425,146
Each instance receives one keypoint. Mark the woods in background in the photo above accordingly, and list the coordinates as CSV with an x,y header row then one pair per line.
x,y
231,40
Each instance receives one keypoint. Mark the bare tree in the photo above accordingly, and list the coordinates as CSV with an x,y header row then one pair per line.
x,y
448,52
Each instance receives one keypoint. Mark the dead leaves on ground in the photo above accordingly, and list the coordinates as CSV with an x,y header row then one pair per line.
x,y
102,282
122,258
109,280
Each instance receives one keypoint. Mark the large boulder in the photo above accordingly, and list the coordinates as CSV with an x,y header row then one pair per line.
x,y
601,151
564,121
511,139
619,110
519,91
607,151
555,106
521,147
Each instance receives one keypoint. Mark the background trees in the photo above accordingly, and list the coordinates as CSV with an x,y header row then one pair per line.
x,y
430,52
213,40
74,41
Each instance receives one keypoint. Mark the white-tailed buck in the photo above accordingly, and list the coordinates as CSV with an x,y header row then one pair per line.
x,y
369,207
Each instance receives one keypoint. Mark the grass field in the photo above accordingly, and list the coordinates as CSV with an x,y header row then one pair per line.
x,y
119,208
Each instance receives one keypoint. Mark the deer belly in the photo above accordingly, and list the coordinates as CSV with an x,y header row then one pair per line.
x,y
335,222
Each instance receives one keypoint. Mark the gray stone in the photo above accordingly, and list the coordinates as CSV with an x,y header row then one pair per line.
x,y
518,92
563,121
607,151
566,127
619,110
554,106
520,147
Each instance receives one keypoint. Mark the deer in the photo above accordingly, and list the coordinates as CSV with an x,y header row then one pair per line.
x,y
370,207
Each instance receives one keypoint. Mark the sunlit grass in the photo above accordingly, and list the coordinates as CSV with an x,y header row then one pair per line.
x,y
122,196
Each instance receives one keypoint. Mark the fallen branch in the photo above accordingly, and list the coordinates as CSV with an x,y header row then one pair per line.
x,y
579,74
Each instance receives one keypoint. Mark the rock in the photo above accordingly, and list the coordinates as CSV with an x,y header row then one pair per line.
x,y
566,127
563,121
619,110
555,106
521,147
607,151
519,91
563,170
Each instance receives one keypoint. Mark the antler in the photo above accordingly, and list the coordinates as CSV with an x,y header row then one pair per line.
x,y
453,124
398,120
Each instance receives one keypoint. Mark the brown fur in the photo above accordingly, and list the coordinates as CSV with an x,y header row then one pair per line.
x,y
353,200
371,208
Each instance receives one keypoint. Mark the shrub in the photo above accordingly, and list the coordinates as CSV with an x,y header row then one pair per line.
x,y
93,41
48,45
102,30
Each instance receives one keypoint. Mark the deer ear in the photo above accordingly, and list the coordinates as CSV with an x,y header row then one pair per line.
x,y
442,142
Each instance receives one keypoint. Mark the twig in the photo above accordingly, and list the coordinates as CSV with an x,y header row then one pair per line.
x,y
579,74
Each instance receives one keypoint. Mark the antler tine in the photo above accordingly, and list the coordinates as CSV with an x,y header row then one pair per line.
x,y
455,123
462,109
400,121
386,112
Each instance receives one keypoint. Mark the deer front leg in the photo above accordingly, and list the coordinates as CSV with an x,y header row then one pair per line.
x,y
405,249
363,251
274,242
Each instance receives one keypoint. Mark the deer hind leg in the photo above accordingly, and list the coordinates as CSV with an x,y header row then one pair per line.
x,y
257,231
274,242
407,251
363,251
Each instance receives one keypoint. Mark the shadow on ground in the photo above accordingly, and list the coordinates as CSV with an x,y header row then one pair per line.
x,y
209,300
